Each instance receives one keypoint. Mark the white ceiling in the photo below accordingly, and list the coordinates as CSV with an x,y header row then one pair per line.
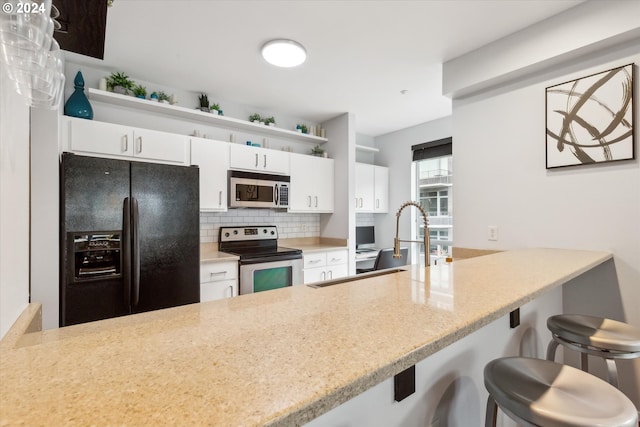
x,y
361,54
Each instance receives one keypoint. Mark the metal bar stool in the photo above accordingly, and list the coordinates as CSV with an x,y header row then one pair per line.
x,y
537,392
594,336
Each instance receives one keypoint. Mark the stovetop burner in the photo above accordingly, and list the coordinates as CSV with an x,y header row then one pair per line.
x,y
250,242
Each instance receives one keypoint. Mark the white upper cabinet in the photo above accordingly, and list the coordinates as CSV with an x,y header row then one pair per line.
x,y
124,142
256,159
312,181
364,187
380,189
212,157
372,188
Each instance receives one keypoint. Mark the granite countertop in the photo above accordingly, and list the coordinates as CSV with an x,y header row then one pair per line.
x,y
281,357
209,253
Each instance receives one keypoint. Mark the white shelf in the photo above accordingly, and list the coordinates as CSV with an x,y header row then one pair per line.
x,y
365,148
201,116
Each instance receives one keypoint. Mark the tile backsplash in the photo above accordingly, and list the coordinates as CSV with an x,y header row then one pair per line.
x,y
289,225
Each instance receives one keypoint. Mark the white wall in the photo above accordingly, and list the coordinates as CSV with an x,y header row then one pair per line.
x,y
395,153
14,204
500,179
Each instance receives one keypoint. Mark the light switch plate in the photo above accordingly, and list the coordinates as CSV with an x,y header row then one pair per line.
x,y
492,233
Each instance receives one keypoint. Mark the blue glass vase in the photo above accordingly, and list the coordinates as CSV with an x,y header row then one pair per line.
x,y
78,105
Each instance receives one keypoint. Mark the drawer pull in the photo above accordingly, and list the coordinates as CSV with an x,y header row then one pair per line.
x,y
335,259
213,273
313,261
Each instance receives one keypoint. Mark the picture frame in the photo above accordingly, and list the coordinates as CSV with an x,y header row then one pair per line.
x,y
590,120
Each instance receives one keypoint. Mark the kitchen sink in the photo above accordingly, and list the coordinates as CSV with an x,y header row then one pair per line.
x,y
357,277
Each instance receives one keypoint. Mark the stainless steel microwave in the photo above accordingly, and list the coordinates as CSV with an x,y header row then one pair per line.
x,y
257,190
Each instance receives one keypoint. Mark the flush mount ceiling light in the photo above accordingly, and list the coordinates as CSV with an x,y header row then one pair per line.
x,y
284,53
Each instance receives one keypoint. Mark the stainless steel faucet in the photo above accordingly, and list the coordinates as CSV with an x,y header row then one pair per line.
x,y
396,241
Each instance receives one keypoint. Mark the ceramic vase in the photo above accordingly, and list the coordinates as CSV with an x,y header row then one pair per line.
x,y
78,105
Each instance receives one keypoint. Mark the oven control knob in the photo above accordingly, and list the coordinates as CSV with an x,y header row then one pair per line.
x,y
273,232
235,231
264,231
226,234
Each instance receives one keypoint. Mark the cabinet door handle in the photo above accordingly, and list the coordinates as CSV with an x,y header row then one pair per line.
x,y
316,201
231,290
309,204
256,159
139,139
220,198
125,145
330,274
324,275
377,203
265,161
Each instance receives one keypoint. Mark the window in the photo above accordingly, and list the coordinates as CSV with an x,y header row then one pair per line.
x,y
433,173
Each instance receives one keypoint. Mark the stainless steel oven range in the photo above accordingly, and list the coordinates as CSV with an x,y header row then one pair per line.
x,y
263,265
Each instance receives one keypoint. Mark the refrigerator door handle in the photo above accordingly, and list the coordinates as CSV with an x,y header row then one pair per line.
x,y
126,251
135,241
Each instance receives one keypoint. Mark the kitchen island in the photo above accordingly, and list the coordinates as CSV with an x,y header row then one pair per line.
x,y
281,357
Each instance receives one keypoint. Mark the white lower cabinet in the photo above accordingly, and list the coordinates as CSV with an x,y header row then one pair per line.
x,y
218,280
327,265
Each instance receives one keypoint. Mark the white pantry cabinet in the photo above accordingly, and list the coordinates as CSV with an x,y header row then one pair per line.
x,y
123,142
325,265
256,159
218,280
372,188
312,181
212,157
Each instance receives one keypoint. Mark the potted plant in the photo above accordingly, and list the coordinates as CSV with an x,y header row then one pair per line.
x,y
304,129
317,151
119,83
163,97
204,102
140,91
254,118
215,108
271,121
153,96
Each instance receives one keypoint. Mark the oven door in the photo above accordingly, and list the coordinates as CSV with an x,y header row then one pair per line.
x,y
266,275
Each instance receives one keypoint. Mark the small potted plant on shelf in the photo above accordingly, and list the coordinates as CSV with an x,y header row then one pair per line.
x,y
140,91
204,102
164,98
215,109
271,121
119,83
317,151
304,129
153,96
254,118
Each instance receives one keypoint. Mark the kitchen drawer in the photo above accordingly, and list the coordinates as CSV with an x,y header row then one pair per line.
x,y
314,259
337,257
211,291
217,271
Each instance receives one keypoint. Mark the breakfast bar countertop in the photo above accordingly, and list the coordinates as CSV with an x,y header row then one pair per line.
x,y
281,357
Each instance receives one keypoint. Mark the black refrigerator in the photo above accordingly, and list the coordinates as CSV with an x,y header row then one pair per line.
x,y
130,237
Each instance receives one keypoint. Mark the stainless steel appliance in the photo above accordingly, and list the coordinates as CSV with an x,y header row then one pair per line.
x,y
257,190
263,265
130,237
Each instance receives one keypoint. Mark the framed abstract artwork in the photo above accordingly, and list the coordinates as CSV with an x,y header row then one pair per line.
x,y
591,119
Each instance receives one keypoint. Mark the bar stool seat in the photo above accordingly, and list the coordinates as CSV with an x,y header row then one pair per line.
x,y
536,392
594,336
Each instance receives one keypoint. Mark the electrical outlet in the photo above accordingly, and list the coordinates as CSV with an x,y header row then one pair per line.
x,y
304,227
492,233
